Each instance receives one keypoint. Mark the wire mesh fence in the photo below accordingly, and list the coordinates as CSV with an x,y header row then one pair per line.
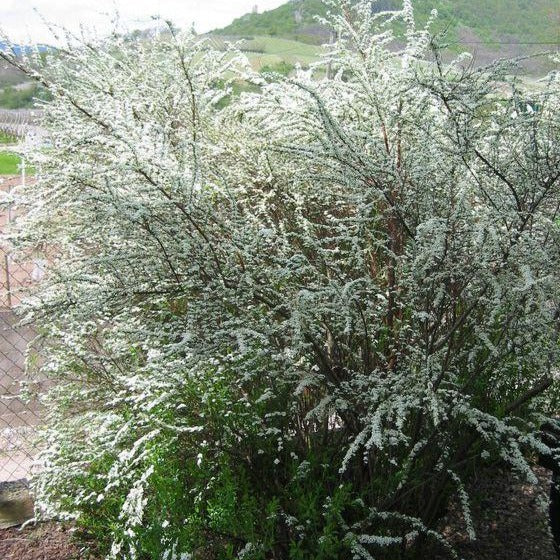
x,y
20,409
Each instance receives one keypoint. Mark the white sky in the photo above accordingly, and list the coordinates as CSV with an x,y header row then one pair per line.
x,y
20,20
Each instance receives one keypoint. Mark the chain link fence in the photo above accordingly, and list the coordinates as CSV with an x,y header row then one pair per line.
x,y
20,409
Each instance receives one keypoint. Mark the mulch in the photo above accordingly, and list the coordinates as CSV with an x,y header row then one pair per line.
x,y
510,519
44,541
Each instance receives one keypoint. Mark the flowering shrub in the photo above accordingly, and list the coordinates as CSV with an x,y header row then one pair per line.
x,y
289,323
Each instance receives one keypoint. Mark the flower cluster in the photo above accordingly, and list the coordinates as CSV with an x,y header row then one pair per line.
x,y
286,323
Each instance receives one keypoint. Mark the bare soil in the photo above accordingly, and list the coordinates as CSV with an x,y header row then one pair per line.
x,y
44,541
510,519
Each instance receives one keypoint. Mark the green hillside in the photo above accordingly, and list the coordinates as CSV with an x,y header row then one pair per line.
x,y
489,28
293,20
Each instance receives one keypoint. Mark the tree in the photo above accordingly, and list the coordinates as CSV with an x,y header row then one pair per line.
x,y
290,325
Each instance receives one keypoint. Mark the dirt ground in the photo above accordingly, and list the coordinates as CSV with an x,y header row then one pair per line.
x,y
48,541
510,519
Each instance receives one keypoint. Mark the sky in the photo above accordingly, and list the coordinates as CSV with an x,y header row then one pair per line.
x,y
22,20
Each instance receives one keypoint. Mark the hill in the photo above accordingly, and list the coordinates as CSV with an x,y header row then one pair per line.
x,y
488,28
293,20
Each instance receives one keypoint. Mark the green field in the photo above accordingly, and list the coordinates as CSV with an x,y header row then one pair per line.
x,y
9,163
7,138
269,51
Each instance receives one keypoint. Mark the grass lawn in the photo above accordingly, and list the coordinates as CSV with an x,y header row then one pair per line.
x,y
278,46
9,163
263,51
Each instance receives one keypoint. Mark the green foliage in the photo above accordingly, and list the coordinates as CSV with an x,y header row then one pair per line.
x,y
283,68
518,20
7,138
9,163
22,98
279,22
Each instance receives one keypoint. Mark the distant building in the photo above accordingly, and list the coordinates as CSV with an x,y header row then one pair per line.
x,y
255,9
